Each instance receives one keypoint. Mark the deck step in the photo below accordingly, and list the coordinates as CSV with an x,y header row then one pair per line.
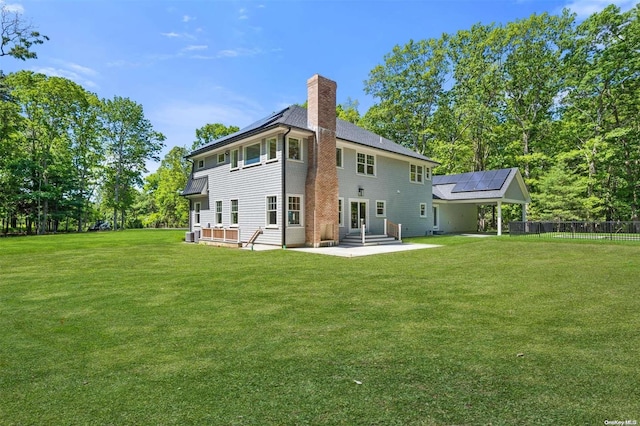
x,y
355,240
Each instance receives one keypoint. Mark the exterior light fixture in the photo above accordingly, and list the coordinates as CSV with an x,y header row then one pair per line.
x,y
360,191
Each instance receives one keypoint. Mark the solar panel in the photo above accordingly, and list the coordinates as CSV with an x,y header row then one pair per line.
x,y
491,180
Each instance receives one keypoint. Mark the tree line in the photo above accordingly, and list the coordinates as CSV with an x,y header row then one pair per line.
x,y
557,99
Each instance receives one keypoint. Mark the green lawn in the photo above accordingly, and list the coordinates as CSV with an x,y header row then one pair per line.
x,y
137,327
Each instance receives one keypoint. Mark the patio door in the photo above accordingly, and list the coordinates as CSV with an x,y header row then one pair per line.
x,y
358,215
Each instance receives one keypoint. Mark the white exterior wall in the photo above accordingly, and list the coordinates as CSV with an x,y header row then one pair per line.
x,y
295,183
458,218
390,184
250,185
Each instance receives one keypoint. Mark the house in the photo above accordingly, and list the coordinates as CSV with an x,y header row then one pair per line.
x,y
301,177
456,198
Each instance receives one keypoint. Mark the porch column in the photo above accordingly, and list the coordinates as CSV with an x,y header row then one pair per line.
x,y
524,212
499,218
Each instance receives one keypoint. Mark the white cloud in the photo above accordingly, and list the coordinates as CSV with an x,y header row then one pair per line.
x,y
234,53
187,18
170,35
196,47
13,8
585,8
71,75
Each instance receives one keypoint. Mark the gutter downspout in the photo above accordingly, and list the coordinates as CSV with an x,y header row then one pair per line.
x,y
284,189
190,200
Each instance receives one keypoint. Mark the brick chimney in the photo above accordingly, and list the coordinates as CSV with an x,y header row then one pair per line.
x,y
321,201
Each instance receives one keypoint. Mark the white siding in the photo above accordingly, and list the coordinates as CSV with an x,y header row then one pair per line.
x,y
249,185
390,184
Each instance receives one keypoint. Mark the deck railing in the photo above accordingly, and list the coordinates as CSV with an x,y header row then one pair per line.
x,y
393,229
227,235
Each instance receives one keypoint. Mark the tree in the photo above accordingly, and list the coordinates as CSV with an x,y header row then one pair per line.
x,y
129,141
17,37
532,82
348,111
602,107
170,209
210,132
409,86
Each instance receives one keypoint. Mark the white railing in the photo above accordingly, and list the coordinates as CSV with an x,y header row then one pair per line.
x,y
393,230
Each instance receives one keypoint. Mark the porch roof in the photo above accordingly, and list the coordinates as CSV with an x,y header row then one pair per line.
x,y
196,186
490,186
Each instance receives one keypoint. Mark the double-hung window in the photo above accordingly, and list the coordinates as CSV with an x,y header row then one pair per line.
x,y
339,157
221,158
272,210
381,208
340,211
234,159
294,149
294,210
416,173
196,209
272,149
423,209
252,154
234,212
366,164
219,213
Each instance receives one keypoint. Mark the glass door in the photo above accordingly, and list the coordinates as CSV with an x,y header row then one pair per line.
x,y
358,215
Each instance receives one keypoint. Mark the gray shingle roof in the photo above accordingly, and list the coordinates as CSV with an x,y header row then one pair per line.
x,y
195,186
296,116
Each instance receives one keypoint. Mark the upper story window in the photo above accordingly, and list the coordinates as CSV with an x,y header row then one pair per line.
x,y
427,173
272,148
416,173
221,158
200,164
366,164
339,157
234,159
252,154
294,149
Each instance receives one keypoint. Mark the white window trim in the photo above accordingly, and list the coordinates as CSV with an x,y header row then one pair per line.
x,y
384,207
231,224
266,219
237,166
244,155
197,213
341,212
224,158
200,164
425,210
422,179
341,166
215,203
375,164
427,172
436,217
301,224
268,141
300,141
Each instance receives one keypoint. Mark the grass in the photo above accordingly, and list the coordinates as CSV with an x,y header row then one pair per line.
x,y
136,327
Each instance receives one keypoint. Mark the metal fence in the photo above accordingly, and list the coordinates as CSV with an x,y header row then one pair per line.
x,y
615,230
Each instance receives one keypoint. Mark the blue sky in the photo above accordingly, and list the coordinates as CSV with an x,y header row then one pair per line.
x,y
195,62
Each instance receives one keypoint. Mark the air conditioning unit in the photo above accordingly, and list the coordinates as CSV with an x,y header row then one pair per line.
x,y
188,237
